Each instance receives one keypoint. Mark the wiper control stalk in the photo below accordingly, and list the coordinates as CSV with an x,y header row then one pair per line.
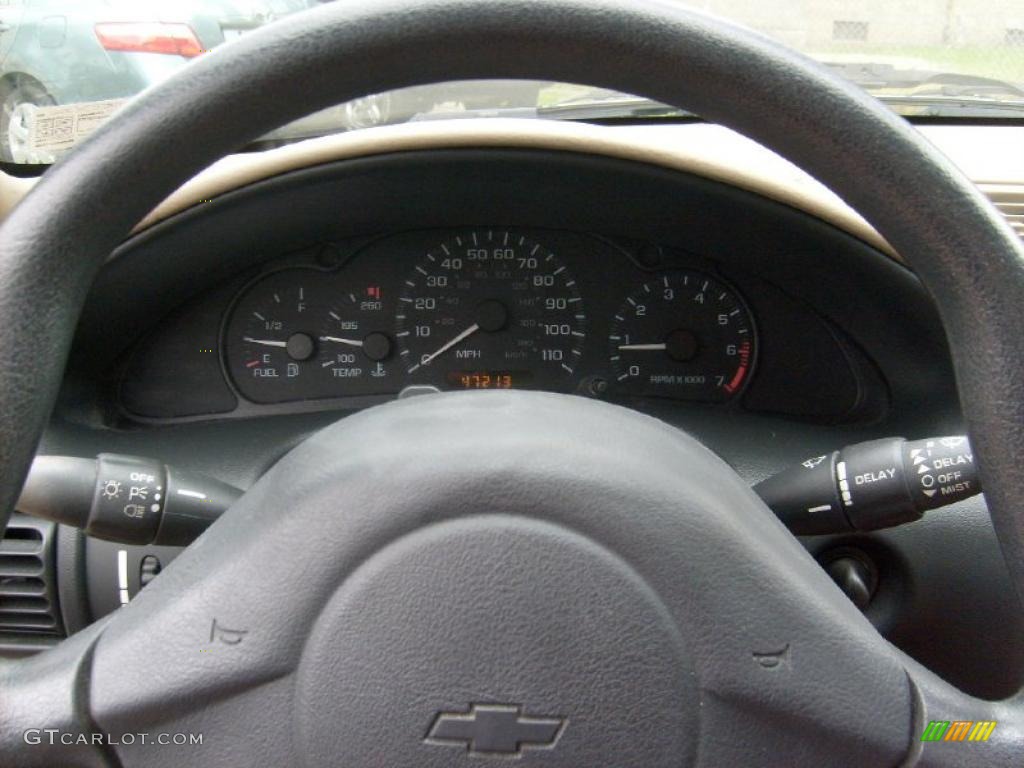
x,y
871,485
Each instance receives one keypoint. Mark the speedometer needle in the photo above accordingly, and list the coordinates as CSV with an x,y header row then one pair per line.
x,y
644,347
337,340
461,337
265,342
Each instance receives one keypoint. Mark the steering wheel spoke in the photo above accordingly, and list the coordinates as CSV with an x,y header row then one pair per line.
x,y
44,707
955,729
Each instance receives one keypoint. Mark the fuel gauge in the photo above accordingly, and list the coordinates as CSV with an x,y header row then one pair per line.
x,y
299,335
272,338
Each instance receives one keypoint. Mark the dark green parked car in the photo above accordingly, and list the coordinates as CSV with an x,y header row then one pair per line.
x,y
70,51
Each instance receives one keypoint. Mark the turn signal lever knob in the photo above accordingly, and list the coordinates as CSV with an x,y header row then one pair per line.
x,y
877,484
127,499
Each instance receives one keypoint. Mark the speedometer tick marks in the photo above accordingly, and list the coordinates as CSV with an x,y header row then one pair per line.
x,y
491,314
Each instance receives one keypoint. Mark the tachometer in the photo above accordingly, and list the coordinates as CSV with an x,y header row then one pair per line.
x,y
491,309
685,335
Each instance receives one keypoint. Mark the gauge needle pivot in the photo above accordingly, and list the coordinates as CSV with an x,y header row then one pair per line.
x,y
458,339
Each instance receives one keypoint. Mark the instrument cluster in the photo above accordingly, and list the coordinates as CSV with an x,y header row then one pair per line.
x,y
490,308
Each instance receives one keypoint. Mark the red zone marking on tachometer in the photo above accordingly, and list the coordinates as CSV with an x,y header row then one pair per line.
x,y
733,385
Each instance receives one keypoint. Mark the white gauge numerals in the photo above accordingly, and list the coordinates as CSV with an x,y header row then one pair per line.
x,y
490,308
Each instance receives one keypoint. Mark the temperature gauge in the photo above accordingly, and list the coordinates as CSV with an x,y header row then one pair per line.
x,y
294,336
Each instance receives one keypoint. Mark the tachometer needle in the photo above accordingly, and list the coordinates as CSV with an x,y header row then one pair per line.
x,y
337,340
643,347
461,337
265,342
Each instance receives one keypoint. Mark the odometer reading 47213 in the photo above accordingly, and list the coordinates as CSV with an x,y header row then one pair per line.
x,y
685,335
490,308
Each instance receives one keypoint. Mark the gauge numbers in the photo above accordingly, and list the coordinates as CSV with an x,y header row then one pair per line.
x,y
488,309
295,336
685,335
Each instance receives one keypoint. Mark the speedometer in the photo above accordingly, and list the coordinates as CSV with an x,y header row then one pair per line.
x,y
491,309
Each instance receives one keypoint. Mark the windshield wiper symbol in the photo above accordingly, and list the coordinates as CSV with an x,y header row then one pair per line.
x,y
495,730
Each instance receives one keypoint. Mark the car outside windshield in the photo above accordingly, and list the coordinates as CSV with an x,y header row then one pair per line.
x,y
67,65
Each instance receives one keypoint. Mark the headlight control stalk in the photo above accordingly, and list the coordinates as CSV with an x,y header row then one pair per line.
x,y
127,499
877,484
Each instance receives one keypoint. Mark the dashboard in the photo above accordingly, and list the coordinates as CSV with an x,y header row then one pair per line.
x,y
225,333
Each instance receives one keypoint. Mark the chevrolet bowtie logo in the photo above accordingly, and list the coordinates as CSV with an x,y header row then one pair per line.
x,y
494,729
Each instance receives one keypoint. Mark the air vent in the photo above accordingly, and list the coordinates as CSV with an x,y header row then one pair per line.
x,y
28,594
1009,199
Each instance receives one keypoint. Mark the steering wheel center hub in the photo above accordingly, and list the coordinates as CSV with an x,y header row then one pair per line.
x,y
495,636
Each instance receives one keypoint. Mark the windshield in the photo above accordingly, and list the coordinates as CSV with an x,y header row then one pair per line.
x,y
67,65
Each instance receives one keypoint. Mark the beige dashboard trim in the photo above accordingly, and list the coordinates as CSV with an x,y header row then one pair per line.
x,y
715,154
12,189
991,156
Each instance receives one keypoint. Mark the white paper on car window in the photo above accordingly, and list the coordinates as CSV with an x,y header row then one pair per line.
x,y
55,130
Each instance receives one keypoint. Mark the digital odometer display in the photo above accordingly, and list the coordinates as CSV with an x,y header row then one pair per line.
x,y
495,303
489,379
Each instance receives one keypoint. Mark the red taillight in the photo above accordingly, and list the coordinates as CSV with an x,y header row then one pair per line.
x,y
149,37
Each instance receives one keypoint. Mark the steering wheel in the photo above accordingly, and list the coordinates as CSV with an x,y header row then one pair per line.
x,y
502,574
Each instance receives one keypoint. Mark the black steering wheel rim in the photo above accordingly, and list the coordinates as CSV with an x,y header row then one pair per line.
x,y
972,264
